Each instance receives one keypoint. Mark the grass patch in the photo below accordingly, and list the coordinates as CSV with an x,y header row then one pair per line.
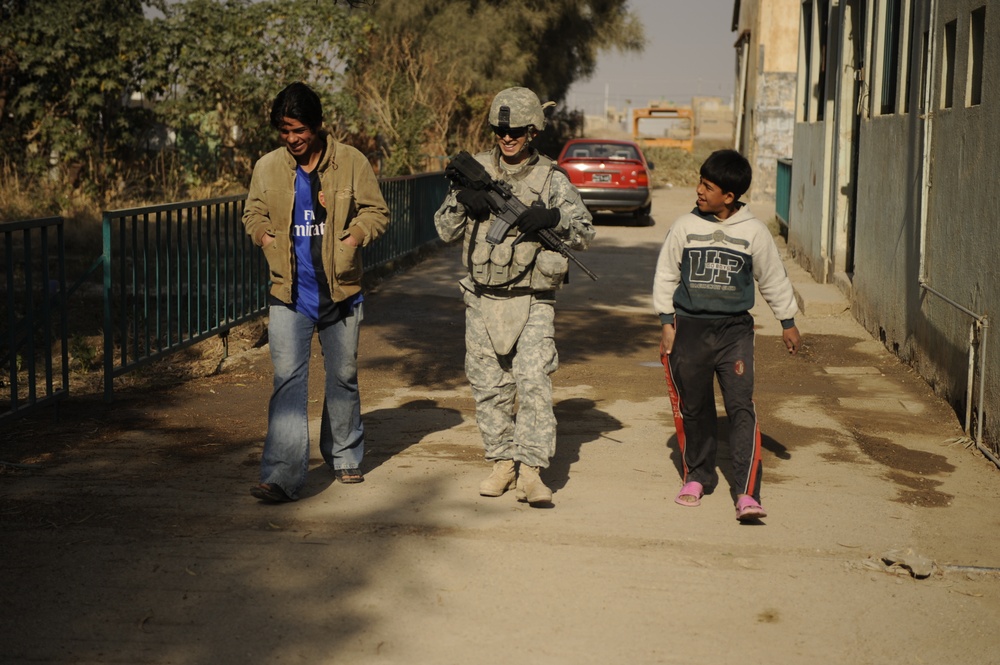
x,y
679,168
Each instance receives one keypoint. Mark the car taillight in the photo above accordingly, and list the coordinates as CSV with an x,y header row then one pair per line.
x,y
640,178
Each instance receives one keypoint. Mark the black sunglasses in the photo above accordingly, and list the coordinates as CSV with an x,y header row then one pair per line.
x,y
513,132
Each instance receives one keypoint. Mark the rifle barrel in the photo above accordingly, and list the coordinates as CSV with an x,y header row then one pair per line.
x,y
555,242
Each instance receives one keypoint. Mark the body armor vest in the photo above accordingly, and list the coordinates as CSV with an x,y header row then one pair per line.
x,y
523,267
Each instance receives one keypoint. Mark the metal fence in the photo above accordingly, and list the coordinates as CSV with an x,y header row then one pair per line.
x,y
783,193
34,338
412,201
173,275
177,274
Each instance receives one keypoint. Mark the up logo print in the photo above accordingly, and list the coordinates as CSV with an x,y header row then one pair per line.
x,y
714,266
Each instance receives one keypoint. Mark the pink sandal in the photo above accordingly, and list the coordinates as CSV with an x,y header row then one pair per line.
x,y
747,508
691,488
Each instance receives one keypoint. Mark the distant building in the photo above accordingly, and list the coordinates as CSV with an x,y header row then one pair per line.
x,y
613,124
764,109
713,118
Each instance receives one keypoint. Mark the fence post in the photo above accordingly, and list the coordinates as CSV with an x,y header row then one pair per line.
x,y
35,305
109,349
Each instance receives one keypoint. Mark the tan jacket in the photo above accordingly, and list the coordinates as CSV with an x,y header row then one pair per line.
x,y
354,206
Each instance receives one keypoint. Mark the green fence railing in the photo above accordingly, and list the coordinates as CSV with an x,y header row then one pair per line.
x,y
177,274
783,193
33,320
412,202
173,275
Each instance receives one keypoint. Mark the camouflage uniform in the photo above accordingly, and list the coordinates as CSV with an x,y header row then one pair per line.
x,y
509,294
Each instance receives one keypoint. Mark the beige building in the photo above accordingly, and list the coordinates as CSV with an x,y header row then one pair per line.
x,y
764,106
713,118
893,189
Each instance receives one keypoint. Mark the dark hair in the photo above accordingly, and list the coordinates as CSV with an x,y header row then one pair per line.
x,y
299,102
729,170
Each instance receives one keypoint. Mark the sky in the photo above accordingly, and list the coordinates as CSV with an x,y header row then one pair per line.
x,y
689,52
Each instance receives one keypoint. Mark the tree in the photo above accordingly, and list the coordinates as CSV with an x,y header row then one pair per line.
x,y
86,86
219,65
66,69
436,64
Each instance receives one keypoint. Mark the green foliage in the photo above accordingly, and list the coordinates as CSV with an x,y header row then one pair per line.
x,y
138,99
93,92
218,65
438,64
66,67
562,126
84,354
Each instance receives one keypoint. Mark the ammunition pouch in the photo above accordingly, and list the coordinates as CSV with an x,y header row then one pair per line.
x,y
525,265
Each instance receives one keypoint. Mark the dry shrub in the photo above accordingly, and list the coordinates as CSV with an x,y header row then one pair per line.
x,y
679,168
22,199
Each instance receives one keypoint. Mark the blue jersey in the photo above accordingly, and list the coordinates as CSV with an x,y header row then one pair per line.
x,y
310,287
310,284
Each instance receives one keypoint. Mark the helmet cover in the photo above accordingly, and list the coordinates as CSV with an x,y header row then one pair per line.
x,y
517,107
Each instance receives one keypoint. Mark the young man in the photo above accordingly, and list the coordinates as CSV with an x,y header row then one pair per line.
x,y
509,295
312,204
703,291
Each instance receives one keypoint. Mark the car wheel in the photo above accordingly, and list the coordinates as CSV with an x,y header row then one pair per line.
x,y
641,215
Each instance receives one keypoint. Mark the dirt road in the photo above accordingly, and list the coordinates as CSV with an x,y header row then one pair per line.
x,y
127,534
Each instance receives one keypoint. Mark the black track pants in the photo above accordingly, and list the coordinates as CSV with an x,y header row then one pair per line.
x,y
704,349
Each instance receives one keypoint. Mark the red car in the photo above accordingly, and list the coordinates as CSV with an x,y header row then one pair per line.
x,y
611,175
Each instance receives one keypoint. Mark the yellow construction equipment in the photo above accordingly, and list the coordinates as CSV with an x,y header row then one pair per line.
x,y
681,127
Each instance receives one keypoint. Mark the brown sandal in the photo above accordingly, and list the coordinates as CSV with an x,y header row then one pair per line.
x,y
270,492
349,476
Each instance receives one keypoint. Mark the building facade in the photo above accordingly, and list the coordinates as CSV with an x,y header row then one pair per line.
x,y
764,106
894,187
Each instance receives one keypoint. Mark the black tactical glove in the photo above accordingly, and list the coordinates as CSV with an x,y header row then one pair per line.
x,y
537,218
475,201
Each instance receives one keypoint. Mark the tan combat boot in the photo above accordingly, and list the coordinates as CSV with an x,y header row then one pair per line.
x,y
500,480
530,487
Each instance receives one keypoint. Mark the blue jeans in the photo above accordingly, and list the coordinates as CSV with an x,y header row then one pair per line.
x,y
285,461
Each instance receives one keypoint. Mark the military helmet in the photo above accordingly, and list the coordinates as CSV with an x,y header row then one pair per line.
x,y
517,107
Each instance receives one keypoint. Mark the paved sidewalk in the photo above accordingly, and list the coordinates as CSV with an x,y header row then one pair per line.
x,y
134,540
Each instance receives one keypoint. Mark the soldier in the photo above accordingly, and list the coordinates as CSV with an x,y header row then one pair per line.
x,y
509,294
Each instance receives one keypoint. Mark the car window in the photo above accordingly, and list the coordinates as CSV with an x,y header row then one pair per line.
x,y
602,151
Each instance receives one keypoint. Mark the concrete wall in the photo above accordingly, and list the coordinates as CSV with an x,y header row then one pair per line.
x,y
807,210
962,231
769,30
885,284
773,131
924,212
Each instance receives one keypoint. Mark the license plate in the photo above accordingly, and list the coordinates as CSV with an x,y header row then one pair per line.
x,y
602,177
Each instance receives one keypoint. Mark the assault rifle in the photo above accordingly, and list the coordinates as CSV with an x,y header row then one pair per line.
x,y
465,171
